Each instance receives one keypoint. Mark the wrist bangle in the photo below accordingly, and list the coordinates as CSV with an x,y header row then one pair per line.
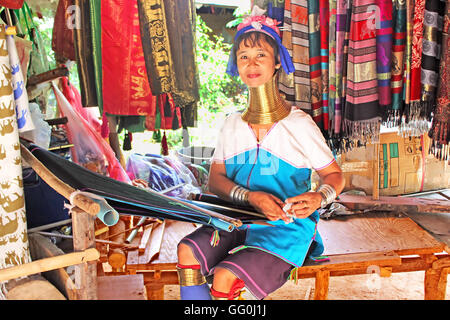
x,y
328,194
239,195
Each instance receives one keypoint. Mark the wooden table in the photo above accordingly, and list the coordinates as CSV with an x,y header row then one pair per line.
x,y
380,242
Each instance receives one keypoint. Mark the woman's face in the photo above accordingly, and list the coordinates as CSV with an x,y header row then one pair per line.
x,y
256,65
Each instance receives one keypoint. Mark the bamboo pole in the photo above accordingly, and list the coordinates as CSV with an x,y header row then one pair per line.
x,y
81,201
48,264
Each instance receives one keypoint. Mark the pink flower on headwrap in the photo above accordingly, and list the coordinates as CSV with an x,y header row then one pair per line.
x,y
258,21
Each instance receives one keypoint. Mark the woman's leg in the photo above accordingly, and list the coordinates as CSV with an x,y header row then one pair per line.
x,y
193,284
197,256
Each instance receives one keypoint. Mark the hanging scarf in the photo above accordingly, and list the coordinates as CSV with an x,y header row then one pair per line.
x,y
126,89
332,64
170,61
431,43
342,31
398,54
440,129
83,51
315,62
96,29
414,116
408,54
361,114
384,54
296,86
324,60
62,36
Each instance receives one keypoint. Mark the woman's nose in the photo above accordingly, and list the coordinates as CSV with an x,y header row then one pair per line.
x,y
253,62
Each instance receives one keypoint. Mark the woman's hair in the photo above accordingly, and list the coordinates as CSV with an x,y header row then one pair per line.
x,y
251,39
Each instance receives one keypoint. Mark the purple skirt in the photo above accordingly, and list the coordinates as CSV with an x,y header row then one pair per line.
x,y
261,272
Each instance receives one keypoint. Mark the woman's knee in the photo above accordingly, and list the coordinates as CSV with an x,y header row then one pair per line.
x,y
223,279
185,255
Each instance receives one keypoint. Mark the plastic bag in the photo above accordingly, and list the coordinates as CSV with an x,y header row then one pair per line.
x,y
162,174
90,149
42,132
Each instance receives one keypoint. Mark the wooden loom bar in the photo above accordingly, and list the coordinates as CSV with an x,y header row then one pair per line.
x,y
48,264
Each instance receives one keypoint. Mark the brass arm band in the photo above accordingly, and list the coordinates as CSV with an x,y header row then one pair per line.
x,y
190,277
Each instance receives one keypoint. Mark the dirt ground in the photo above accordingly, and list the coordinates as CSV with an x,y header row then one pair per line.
x,y
399,286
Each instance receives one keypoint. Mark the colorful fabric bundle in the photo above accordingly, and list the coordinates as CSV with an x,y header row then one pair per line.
x,y
296,86
440,129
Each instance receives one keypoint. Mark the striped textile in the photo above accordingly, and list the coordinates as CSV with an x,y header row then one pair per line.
x,y
342,31
315,64
431,43
398,62
384,54
332,64
416,56
440,129
296,86
324,59
408,52
361,114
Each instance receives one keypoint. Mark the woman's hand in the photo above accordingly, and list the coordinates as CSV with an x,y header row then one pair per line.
x,y
268,204
305,204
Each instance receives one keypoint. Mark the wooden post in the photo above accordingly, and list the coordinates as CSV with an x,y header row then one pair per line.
x,y
117,256
436,283
84,238
322,282
376,173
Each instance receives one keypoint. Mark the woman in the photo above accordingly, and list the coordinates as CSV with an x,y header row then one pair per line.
x,y
264,158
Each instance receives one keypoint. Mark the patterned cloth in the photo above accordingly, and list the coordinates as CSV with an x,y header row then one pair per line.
x,y
431,43
83,54
126,89
384,54
342,30
362,113
296,86
13,226
440,130
170,61
398,59
315,62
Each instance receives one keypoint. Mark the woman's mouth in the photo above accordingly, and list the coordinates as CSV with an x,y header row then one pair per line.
x,y
253,75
